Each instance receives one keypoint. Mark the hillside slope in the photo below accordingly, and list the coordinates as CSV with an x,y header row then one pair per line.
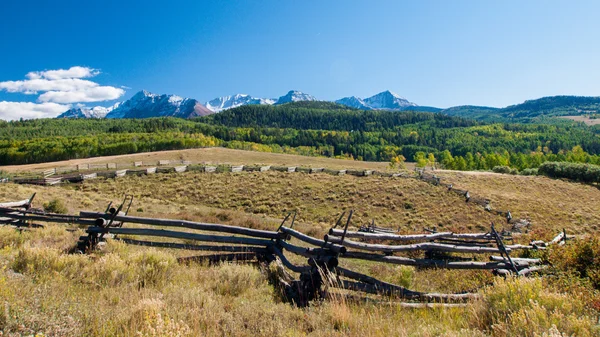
x,y
531,110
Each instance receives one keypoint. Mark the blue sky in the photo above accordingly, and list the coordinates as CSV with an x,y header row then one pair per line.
x,y
437,53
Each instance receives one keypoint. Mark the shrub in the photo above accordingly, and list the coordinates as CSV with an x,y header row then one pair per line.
x,y
529,172
525,307
502,169
581,257
55,206
586,173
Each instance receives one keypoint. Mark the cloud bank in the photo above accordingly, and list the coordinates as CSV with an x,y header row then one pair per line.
x,y
57,90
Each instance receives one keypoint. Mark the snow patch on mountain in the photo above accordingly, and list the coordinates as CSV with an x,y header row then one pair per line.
x,y
234,101
388,100
354,102
294,96
145,104
86,112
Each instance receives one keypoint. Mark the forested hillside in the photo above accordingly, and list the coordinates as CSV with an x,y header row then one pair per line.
x,y
531,110
309,128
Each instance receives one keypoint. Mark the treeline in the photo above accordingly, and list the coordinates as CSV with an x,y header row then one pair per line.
x,y
39,150
303,116
517,161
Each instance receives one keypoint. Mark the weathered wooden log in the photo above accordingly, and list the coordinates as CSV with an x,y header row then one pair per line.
x,y
335,172
14,204
251,168
180,169
390,291
558,239
523,247
89,176
238,168
530,270
408,237
522,272
316,169
391,237
400,260
287,263
302,169
56,218
303,251
37,181
175,245
358,173
181,235
389,288
165,169
464,242
281,168
313,241
383,286
516,259
188,224
210,169
137,171
382,173
412,247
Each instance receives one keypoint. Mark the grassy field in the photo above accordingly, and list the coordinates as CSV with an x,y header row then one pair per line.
x,y
137,291
586,119
215,155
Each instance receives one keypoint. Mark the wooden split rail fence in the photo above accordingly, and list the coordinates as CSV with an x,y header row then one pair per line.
x,y
322,269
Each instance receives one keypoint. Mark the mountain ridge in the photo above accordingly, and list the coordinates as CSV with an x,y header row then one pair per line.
x,y
145,105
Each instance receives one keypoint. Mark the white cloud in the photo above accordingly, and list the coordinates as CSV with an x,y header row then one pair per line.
x,y
73,72
93,94
29,110
40,84
56,89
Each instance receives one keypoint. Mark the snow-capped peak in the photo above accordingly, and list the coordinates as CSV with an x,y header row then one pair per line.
x,y
295,96
354,102
145,104
388,100
234,101
86,112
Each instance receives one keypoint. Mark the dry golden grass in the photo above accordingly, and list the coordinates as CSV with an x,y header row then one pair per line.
x,y
549,203
138,291
586,119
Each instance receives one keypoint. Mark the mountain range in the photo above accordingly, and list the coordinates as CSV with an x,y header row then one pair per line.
x,y
145,105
